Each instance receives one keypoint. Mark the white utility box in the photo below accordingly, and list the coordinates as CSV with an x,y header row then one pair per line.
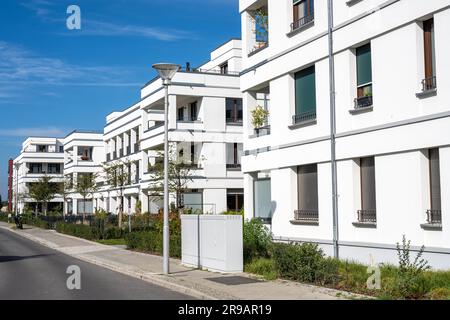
x,y
212,242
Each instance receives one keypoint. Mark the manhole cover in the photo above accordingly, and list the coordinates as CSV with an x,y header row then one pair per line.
x,y
233,281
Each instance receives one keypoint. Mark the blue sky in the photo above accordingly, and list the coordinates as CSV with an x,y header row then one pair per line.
x,y
54,80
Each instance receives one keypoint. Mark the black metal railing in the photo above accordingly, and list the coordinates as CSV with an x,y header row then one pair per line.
x,y
429,83
258,47
128,150
188,118
363,102
304,116
210,71
136,147
434,216
365,216
302,22
306,215
234,120
234,166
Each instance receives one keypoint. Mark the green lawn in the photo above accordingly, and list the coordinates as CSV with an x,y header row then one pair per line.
x,y
113,242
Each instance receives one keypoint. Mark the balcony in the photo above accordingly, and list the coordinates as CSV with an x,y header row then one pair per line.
x,y
306,217
366,218
259,46
434,220
233,166
428,87
301,23
304,118
188,119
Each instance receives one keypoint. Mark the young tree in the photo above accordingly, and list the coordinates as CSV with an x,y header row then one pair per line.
x,y
117,178
86,187
65,189
43,191
180,174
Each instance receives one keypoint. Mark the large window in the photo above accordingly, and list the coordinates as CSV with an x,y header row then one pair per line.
x,y
303,13
434,214
54,168
364,76
193,201
305,95
85,207
308,199
235,200
85,153
262,199
368,193
234,154
193,111
429,82
234,110
35,168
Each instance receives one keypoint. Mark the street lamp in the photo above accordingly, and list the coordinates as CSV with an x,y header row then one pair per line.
x,y
166,71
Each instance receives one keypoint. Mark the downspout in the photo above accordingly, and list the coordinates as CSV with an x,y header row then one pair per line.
x,y
333,131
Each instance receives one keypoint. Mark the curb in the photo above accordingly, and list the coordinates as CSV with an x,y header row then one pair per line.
x,y
155,278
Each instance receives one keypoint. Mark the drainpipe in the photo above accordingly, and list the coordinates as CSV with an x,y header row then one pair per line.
x,y
333,130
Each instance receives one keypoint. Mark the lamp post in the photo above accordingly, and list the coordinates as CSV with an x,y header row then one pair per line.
x,y
166,71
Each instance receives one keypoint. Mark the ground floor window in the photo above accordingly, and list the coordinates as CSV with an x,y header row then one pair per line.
x,y
262,199
193,201
235,199
85,207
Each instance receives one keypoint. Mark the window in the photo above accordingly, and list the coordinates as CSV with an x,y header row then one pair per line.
x,y
61,149
303,13
180,114
429,83
193,201
36,168
305,95
85,153
193,162
262,199
235,200
234,110
85,207
136,177
364,76
224,68
434,214
368,193
307,190
54,168
193,108
234,154
41,148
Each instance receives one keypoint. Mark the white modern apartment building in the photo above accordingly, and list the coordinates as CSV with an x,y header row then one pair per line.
x,y
121,140
205,133
39,157
83,155
356,148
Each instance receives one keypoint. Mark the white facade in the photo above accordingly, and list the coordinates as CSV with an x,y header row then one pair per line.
x,y
202,134
83,154
396,125
39,157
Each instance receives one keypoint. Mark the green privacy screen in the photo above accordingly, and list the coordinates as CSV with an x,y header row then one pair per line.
x,y
305,90
364,64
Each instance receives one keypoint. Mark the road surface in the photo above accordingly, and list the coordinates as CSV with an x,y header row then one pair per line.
x,y
31,271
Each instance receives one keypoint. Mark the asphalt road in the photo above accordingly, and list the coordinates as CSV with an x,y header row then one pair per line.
x,y
31,271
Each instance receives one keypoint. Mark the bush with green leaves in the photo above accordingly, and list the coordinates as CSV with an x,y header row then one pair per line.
x,y
305,262
257,240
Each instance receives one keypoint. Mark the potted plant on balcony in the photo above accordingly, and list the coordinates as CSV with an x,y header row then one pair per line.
x,y
259,118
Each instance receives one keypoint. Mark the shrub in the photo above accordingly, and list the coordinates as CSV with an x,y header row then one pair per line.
x,y
112,233
439,294
257,240
409,281
79,230
305,262
262,266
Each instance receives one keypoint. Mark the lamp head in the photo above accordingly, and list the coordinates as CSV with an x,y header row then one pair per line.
x,y
166,71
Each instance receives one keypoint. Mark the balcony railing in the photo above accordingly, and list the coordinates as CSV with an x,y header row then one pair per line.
x,y
188,118
434,216
304,117
128,150
302,22
259,46
233,166
136,147
367,216
429,84
234,121
363,102
306,215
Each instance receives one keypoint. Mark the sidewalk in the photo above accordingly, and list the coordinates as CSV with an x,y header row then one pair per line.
x,y
197,283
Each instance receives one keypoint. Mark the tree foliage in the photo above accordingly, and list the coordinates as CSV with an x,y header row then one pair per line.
x,y
43,191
